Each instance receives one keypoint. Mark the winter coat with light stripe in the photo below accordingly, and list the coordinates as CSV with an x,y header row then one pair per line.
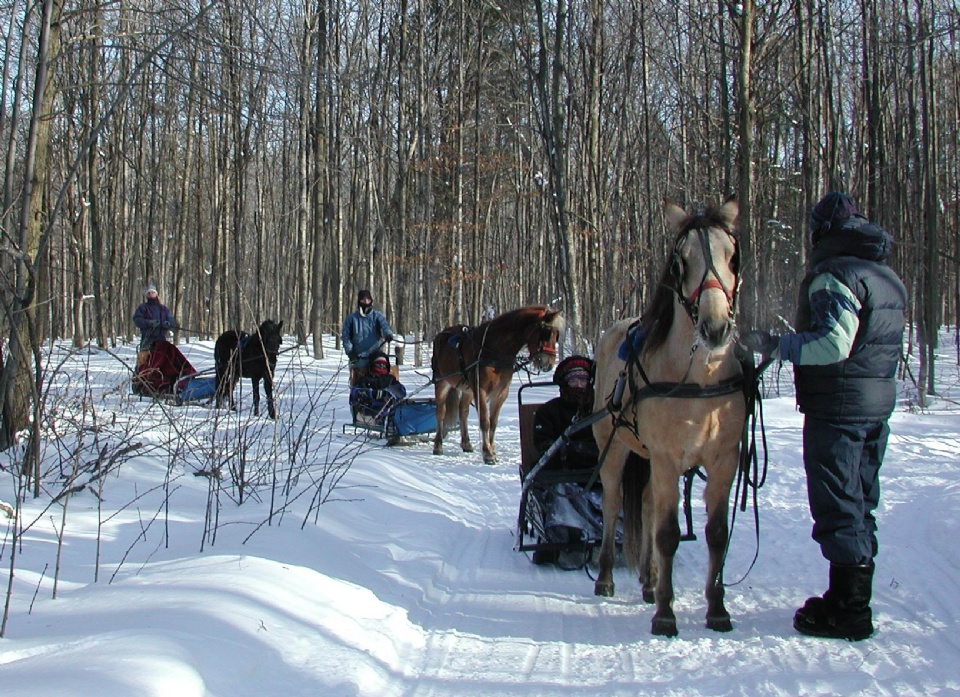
x,y
850,327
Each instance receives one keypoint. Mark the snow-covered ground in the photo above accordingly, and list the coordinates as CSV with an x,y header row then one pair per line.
x,y
355,569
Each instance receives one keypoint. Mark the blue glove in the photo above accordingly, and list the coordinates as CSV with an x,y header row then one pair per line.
x,y
762,342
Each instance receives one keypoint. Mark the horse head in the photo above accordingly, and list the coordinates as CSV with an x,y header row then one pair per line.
x,y
542,339
705,269
271,334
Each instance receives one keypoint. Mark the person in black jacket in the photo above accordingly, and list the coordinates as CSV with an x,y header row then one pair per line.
x,y
574,375
849,338
571,514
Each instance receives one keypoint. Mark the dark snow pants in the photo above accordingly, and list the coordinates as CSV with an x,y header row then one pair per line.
x,y
842,462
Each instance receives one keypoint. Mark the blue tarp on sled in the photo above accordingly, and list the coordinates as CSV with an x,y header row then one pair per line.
x,y
195,388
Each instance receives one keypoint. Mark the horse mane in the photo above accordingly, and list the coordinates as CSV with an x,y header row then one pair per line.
x,y
658,314
521,316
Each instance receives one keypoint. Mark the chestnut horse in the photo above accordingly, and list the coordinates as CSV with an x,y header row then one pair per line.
x,y
676,396
476,364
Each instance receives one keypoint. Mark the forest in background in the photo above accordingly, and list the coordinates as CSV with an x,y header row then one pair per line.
x,y
267,158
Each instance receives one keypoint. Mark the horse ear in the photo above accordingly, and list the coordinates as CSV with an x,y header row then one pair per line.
x,y
279,325
554,319
729,211
676,216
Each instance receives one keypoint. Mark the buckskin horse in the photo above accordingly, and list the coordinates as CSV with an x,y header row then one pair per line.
x,y
476,364
674,387
253,356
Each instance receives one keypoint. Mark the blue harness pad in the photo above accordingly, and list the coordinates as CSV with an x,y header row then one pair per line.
x,y
632,344
457,338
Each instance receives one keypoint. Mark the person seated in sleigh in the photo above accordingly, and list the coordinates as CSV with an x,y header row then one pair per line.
x,y
376,392
572,513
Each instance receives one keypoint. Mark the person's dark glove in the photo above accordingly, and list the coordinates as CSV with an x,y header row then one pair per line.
x,y
352,355
167,324
762,342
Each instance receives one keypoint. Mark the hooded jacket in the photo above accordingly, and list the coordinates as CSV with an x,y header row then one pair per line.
x,y
154,320
850,324
362,334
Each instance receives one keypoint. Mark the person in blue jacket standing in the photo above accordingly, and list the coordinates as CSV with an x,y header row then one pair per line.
x,y
153,319
848,341
364,332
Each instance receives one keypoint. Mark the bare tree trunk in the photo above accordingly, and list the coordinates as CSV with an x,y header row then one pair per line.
x,y
745,111
18,389
931,204
322,222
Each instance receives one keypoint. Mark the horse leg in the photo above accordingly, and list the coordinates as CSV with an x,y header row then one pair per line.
x,y
611,476
483,414
495,402
255,381
440,391
268,390
666,497
218,391
648,562
717,532
464,406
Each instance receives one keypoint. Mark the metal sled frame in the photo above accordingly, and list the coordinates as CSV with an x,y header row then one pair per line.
x,y
383,425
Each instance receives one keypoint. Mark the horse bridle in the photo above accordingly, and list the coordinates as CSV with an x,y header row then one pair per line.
x,y
692,304
544,345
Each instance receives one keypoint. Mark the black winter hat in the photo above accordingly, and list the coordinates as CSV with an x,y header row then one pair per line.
x,y
832,208
364,295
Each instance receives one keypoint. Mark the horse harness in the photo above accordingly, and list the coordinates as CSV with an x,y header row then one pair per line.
x,y
500,362
680,390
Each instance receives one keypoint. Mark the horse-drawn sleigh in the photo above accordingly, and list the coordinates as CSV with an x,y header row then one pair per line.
x,y
167,374
672,395
380,407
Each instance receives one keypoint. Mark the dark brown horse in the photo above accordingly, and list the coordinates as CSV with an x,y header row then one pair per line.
x,y
682,406
253,356
476,364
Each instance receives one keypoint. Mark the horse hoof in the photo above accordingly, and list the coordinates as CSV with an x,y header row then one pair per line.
x,y
438,451
664,626
648,595
604,588
720,624
467,448
489,460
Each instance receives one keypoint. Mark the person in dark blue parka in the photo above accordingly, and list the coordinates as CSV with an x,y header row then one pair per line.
x,y
152,318
849,338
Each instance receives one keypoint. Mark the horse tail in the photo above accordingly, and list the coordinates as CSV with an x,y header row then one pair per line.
x,y
452,414
636,475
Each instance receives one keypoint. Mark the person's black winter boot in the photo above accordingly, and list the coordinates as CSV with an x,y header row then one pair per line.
x,y
843,612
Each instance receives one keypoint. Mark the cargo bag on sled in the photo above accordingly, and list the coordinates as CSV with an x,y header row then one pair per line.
x,y
413,416
196,388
